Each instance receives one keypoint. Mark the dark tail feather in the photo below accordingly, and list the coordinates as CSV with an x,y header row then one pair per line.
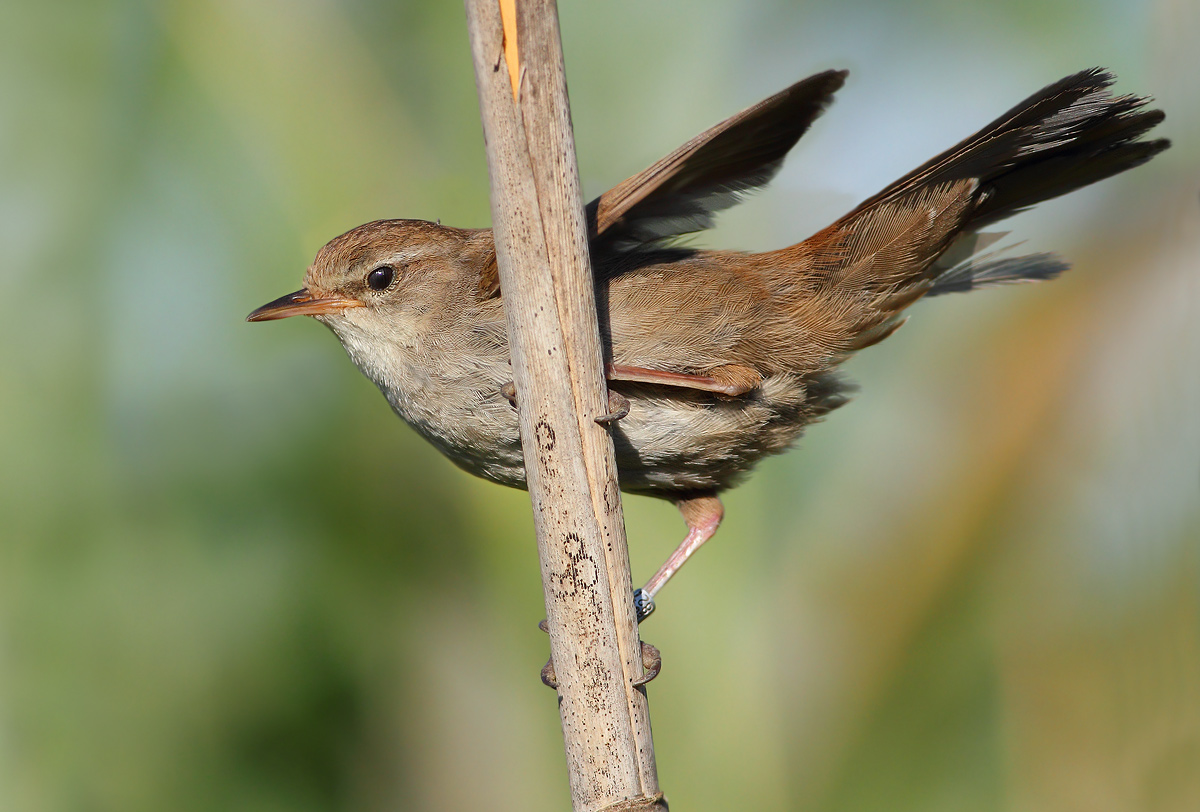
x,y
916,237
972,274
1066,136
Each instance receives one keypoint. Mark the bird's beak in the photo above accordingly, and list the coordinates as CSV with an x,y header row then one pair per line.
x,y
302,303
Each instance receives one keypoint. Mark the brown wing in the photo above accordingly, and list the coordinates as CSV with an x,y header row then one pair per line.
x,y
686,323
680,193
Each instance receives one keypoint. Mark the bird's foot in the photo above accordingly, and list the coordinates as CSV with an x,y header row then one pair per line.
x,y
509,391
618,407
651,664
618,404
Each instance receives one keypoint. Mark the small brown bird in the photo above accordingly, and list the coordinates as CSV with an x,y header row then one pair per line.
x,y
715,359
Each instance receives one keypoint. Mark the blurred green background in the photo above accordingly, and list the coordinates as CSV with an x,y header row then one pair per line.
x,y
230,579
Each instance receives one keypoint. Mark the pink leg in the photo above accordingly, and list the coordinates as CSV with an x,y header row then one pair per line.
x,y
703,515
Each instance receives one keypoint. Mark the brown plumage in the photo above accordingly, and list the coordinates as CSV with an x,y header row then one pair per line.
x,y
724,357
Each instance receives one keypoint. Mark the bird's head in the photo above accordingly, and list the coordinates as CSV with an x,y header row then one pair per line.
x,y
386,275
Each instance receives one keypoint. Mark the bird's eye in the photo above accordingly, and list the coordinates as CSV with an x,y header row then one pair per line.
x,y
380,278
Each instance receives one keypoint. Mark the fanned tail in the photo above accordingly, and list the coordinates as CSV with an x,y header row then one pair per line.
x,y
921,234
1066,136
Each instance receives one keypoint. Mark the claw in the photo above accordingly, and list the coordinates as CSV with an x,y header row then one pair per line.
x,y
549,678
651,664
618,407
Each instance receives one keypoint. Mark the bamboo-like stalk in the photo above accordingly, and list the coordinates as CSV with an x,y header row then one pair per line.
x,y
549,298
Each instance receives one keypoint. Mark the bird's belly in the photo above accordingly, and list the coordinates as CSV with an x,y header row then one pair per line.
x,y
484,440
672,442
675,442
